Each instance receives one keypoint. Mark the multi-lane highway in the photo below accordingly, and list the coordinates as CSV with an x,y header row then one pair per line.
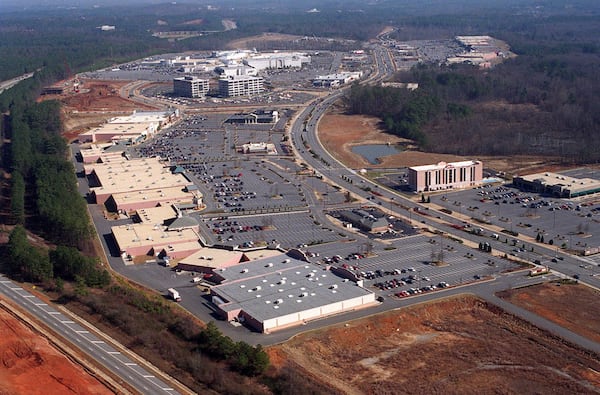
x,y
306,141
87,340
307,145
4,85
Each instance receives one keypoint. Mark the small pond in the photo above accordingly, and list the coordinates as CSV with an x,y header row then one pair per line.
x,y
372,152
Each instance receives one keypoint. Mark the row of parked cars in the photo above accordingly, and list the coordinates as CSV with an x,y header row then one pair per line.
x,y
427,288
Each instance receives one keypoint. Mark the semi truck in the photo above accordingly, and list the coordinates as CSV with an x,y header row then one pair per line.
x,y
174,294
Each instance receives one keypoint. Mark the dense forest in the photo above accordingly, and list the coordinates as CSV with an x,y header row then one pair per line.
x,y
546,101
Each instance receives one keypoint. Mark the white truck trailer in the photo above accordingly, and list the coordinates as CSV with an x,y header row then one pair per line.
x,y
174,294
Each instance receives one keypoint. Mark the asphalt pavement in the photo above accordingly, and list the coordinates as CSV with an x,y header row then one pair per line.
x,y
86,340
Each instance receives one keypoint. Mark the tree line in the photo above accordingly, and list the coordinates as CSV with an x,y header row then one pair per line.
x,y
531,105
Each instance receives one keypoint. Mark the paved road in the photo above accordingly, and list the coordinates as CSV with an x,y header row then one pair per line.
x,y
4,85
82,338
304,132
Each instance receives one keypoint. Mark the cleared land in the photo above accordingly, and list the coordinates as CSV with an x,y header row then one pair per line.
x,y
249,42
31,365
339,133
573,306
460,345
96,102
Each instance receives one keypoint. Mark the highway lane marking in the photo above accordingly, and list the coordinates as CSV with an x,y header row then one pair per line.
x,y
81,332
17,288
41,304
114,352
53,312
130,364
167,389
97,342
28,296
148,376
6,282
68,322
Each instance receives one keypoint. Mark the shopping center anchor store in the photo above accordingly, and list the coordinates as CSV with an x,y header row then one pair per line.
x,y
279,292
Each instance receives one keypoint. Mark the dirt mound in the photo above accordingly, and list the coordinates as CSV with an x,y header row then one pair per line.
x,y
460,345
30,365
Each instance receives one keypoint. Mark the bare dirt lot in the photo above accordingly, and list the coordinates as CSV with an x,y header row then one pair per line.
x,y
96,102
339,133
249,42
460,345
563,304
31,365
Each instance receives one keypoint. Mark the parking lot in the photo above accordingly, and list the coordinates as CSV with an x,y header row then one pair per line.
x,y
284,229
570,224
406,263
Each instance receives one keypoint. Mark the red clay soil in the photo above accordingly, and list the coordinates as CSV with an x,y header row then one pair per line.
x,y
30,365
339,133
459,345
96,102
572,306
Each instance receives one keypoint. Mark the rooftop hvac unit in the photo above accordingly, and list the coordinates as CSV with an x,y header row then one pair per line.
x,y
334,286
244,271
269,265
279,301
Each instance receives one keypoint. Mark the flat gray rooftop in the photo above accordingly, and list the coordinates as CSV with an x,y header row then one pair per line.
x,y
273,287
